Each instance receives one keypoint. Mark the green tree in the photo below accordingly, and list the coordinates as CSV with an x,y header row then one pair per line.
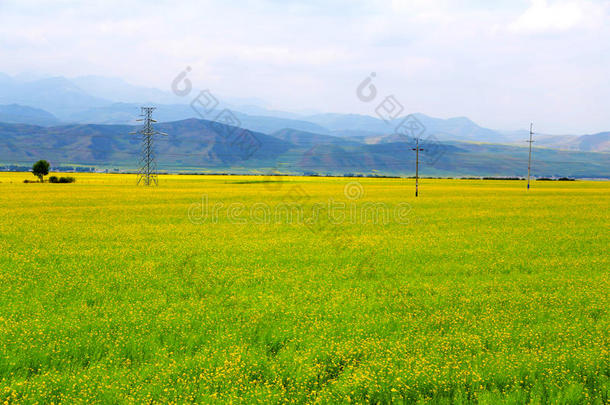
x,y
41,169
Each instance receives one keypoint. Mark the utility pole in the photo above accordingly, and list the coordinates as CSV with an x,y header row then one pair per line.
x,y
417,149
529,162
148,165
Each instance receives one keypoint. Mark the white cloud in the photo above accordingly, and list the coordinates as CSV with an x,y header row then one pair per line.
x,y
543,16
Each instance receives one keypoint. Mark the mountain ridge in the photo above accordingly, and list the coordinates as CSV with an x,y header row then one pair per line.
x,y
201,145
102,100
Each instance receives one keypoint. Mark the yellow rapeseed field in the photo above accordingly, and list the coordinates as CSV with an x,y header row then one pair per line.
x,y
251,289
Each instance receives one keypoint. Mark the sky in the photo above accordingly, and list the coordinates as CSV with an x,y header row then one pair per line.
x,y
500,63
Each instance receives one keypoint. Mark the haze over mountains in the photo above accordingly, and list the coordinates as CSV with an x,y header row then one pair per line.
x,y
86,120
102,100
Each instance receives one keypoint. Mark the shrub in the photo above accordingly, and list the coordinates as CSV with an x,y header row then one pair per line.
x,y
66,180
53,179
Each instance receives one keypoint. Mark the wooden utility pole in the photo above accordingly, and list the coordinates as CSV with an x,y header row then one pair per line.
x,y
529,162
416,149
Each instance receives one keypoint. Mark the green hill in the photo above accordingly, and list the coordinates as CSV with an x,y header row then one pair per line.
x,y
199,145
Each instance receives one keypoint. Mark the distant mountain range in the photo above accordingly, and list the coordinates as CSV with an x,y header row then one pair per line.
x,y
101,100
202,145
87,121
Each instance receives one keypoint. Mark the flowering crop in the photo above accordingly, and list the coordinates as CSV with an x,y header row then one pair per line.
x,y
487,294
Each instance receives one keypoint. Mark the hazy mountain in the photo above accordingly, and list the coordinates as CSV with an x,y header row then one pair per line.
x,y
356,135
309,139
269,125
199,145
55,94
460,128
351,122
251,109
588,143
5,79
190,144
118,90
15,113
103,100
595,143
128,113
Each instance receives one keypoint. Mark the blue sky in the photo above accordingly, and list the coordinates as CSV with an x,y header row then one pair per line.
x,y
500,63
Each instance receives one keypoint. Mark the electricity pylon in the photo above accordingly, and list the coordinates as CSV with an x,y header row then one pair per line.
x,y
147,174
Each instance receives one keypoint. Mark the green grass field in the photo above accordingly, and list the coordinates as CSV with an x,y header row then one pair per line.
x,y
477,292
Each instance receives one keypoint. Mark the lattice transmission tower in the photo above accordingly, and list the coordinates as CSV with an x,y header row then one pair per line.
x,y
147,174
